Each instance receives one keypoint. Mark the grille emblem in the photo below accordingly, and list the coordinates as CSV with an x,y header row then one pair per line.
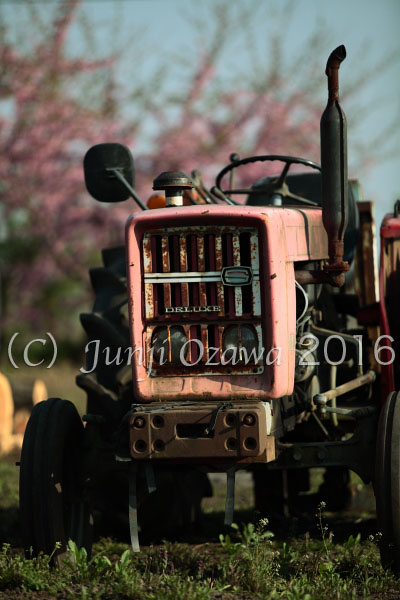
x,y
237,276
192,309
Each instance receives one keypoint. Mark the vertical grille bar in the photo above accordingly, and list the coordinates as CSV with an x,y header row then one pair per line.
x,y
255,265
176,263
201,267
236,263
212,251
204,341
218,267
229,263
169,345
155,240
194,348
219,341
166,269
259,337
186,329
211,259
147,353
148,267
195,286
183,268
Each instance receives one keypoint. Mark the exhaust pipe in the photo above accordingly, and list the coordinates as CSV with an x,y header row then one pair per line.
x,y
334,171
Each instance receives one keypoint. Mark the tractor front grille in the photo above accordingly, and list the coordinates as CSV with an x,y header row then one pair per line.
x,y
189,281
183,267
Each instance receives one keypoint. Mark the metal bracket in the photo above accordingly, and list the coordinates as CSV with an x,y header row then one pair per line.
x,y
133,517
230,496
357,453
150,479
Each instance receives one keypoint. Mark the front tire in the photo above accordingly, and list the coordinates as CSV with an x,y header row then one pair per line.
x,y
53,508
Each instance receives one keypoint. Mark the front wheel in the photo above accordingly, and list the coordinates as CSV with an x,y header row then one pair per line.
x,y
53,508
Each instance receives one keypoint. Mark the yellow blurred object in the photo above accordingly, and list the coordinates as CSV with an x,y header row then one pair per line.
x,y
156,201
190,197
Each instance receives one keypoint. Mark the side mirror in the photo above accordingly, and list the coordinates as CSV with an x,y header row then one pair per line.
x,y
100,163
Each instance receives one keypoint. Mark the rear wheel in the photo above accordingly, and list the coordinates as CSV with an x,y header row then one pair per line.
x,y
53,507
109,384
387,482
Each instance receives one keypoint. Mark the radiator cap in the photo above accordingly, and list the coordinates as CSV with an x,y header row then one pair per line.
x,y
172,179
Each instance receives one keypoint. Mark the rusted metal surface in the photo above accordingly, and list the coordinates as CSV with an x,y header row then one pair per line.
x,y
219,266
194,267
166,268
228,292
255,265
148,267
233,431
310,277
332,71
183,269
204,340
201,267
200,283
236,262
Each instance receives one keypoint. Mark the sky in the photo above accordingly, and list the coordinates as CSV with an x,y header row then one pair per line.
x,y
356,23
369,30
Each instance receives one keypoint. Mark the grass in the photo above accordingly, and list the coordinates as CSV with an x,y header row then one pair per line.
x,y
321,556
246,561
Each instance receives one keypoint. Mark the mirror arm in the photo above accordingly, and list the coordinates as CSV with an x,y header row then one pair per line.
x,y
130,189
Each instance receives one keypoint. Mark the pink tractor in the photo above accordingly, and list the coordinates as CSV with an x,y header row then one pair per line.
x,y
227,335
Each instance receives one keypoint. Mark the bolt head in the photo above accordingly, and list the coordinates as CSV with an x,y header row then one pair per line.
x,y
249,419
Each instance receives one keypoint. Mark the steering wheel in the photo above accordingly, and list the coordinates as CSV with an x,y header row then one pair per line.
x,y
276,185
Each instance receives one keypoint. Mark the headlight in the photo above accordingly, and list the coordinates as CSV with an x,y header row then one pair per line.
x,y
159,343
239,343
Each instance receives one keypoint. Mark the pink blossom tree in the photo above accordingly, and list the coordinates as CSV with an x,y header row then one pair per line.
x,y
51,228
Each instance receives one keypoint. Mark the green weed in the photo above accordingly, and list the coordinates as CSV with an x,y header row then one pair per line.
x,y
248,562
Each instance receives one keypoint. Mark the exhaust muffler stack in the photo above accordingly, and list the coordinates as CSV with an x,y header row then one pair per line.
x,y
334,170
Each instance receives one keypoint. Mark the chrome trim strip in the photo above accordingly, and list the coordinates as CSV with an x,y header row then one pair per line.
x,y
190,277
